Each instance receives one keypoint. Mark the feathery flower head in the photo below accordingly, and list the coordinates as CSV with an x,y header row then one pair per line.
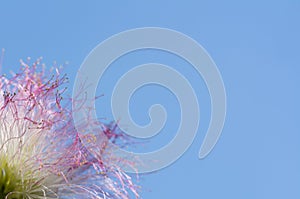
x,y
42,156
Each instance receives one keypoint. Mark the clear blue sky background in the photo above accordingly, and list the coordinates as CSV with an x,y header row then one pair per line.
x,y
256,47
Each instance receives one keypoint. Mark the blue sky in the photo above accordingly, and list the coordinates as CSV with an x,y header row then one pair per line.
x,y
256,48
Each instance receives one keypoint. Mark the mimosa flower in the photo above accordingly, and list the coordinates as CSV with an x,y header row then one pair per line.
x,y
42,156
